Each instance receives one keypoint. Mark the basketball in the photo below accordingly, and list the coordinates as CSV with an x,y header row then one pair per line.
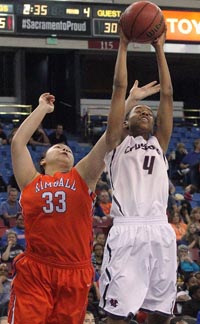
x,y
142,22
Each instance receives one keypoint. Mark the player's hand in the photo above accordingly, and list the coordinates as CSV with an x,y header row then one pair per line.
x,y
123,38
160,41
47,99
138,93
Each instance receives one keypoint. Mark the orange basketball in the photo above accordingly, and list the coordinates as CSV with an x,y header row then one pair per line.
x,y
142,22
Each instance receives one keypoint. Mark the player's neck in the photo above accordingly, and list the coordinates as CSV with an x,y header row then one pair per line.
x,y
51,170
140,132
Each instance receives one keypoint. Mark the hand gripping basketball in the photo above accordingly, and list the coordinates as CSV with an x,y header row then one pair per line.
x,y
142,22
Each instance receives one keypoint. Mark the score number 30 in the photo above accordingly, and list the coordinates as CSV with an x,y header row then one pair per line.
x,y
110,27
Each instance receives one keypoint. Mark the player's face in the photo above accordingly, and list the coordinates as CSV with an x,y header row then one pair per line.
x,y
60,153
141,117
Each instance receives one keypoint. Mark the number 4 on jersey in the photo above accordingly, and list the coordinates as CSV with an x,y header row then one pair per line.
x,y
148,163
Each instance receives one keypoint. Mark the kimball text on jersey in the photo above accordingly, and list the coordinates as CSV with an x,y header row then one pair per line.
x,y
42,185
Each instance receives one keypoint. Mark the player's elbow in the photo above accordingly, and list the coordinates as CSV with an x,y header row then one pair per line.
x,y
120,83
16,144
167,91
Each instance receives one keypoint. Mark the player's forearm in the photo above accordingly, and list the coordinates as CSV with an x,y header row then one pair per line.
x,y
29,126
116,113
165,110
166,88
120,73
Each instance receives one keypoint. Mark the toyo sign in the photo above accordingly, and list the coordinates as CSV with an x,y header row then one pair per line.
x,y
182,25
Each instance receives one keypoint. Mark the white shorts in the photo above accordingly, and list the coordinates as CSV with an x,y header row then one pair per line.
x,y
139,268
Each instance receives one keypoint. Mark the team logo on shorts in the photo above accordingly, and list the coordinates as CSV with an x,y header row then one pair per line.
x,y
114,302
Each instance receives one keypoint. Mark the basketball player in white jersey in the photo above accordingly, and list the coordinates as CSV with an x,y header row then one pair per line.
x,y
139,266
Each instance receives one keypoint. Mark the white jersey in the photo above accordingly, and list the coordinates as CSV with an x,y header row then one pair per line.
x,y
131,167
140,260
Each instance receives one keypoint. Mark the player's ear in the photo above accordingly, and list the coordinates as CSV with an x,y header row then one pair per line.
x,y
125,124
42,161
42,165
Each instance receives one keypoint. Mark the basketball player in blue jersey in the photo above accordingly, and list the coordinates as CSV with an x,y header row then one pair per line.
x,y
139,266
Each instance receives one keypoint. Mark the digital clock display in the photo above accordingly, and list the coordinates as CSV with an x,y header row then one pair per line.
x,y
35,9
54,9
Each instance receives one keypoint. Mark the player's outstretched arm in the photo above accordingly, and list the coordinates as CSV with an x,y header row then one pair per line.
x,y
23,166
92,165
117,109
165,110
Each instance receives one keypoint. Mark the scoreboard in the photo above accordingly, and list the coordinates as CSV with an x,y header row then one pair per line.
x,y
80,20
59,18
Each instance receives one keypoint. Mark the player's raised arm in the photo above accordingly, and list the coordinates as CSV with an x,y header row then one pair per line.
x,y
23,166
92,165
165,110
117,109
